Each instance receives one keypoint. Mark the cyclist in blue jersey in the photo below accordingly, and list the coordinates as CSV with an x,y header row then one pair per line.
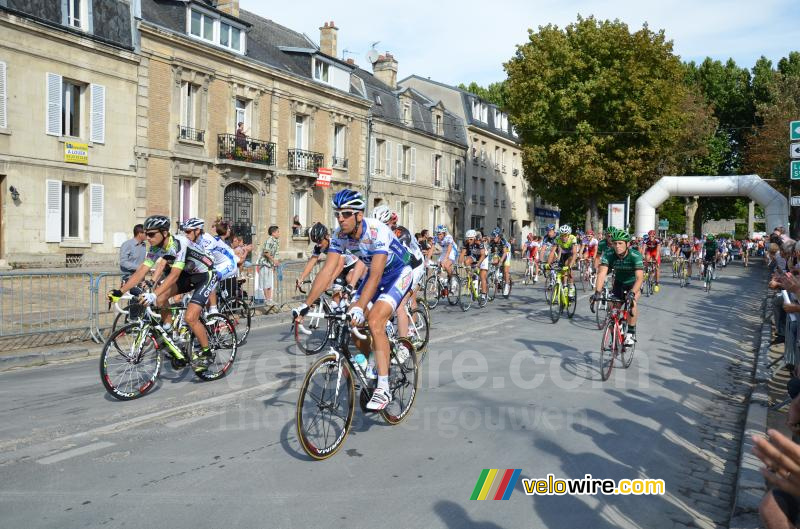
x,y
224,261
388,279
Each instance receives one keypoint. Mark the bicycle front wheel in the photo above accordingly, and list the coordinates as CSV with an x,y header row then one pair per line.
x,y
403,382
600,313
572,303
555,304
239,313
130,362
454,290
431,292
608,350
223,344
325,407
465,299
419,325
319,327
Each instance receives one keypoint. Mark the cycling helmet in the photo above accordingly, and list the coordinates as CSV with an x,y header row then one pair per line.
x,y
590,233
497,232
382,213
646,237
710,237
156,222
317,232
441,228
193,224
471,234
651,233
620,235
402,233
551,227
565,230
347,198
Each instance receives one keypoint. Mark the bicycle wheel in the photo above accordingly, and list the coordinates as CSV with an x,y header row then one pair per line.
x,y
421,332
431,292
572,303
466,297
130,362
683,275
223,344
548,290
403,382
491,284
608,350
600,313
555,304
319,327
325,407
239,312
454,290
626,352
510,286
120,321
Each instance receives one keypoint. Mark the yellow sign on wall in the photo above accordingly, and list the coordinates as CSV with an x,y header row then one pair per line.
x,y
76,152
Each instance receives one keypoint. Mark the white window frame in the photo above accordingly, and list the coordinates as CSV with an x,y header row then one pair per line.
x,y
240,112
188,105
66,187
82,20
476,109
484,112
68,87
498,119
339,141
217,23
321,71
192,209
301,132
438,122
300,206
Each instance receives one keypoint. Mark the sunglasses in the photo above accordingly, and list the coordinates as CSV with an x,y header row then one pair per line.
x,y
343,214
151,234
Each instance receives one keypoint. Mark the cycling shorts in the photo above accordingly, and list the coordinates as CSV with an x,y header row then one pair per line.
x,y
452,256
564,259
201,285
653,254
484,265
592,251
392,287
619,290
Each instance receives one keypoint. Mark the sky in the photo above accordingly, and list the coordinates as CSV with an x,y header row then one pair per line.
x,y
455,41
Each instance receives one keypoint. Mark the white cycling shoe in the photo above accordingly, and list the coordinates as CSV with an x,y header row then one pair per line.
x,y
380,399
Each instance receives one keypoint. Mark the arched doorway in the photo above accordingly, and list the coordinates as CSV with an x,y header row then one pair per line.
x,y
775,204
239,210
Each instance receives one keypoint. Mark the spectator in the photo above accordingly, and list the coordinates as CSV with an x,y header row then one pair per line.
x,y
132,252
297,228
223,229
241,137
241,250
268,262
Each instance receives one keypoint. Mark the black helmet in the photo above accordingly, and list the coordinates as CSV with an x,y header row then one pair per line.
x,y
317,232
156,222
402,233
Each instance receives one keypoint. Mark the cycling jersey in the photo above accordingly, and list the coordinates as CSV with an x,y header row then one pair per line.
x,y
376,239
473,250
224,260
446,241
181,253
686,249
319,251
624,267
710,249
498,247
652,244
548,241
602,246
568,246
531,249
592,245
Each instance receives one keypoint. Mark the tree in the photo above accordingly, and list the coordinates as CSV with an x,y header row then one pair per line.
x,y
495,93
597,107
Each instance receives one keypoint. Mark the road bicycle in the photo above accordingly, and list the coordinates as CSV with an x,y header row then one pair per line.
x,y
683,270
496,281
600,307
549,281
613,343
235,306
326,404
649,278
561,302
708,275
584,269
131,359
530,276
470,291
439,286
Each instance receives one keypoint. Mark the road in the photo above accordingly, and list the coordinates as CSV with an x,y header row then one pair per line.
x,y
503,388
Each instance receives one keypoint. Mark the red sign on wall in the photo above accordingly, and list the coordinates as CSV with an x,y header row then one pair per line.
x,y
324,177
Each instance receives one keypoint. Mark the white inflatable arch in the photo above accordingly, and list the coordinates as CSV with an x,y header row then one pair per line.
x,y
752,186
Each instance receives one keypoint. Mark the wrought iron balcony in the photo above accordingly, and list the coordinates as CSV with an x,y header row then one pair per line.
x,y
244,149
300,160
475,160
503,167
188,133
513,205
437,182
378,171
339,163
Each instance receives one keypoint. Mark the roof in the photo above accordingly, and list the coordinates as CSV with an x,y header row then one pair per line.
x,y
390,110
466,100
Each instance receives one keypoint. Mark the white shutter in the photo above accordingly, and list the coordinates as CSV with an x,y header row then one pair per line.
x,y
373,148
3,97
411,222
52,206
398,208
96,206
430,217
399,161
389,159
413,164
98,121
54,107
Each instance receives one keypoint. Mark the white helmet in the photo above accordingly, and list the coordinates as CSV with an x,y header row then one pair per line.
x,y
382,213
565,229
471,234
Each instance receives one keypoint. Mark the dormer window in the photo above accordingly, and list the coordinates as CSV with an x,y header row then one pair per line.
x,y
484,113
438,123
321,71
498,119
378,100
476,109
78,14
212,28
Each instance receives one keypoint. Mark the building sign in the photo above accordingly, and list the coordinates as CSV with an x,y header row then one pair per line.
x,y
76,152
663,224
324,177
616,215
547,213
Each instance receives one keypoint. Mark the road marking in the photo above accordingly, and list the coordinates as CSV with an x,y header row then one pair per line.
x,y
75,452
190,420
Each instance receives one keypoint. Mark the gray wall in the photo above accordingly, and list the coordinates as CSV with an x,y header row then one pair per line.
x,y
45,9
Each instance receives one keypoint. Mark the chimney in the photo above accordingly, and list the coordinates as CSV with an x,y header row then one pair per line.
x,y
328,39
385,69
229,6
351,61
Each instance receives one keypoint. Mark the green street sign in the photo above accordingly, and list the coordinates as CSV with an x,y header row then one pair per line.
x,y
663,224
794,130
795,171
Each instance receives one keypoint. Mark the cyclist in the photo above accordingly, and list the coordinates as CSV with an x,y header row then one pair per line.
x,y
686,249
190,268
387,282
349,270
652,248
530,251
500,250
448,247
566,246
710,254
224,261
628,269
474,253
602,245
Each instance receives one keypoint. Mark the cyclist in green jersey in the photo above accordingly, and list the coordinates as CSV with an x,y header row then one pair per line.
x,y
603,245
711,253
628,267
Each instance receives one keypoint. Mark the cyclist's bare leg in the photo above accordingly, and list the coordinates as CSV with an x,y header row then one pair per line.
x,y
402,316
163,302
192,316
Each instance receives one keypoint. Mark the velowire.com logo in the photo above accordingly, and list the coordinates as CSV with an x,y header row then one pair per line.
x,y
495,484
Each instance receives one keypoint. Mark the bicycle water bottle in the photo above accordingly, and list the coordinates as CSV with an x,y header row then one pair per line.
x,y
389,328
361,361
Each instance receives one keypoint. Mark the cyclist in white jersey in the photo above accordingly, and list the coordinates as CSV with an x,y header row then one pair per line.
x,y
387,282
224,260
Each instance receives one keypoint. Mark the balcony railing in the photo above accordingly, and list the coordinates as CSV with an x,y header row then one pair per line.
x,y
503,167
437,182
497,167
300,160
378,171
475,160
515,172
405,176
340,163
474,199
513,205
188,133
244,149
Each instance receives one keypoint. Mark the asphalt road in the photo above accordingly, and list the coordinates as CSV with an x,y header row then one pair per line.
x,y
502,388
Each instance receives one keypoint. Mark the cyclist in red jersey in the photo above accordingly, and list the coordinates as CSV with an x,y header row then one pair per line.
x,y
652,247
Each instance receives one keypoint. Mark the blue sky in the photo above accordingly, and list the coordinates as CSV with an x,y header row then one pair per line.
x,y
453,41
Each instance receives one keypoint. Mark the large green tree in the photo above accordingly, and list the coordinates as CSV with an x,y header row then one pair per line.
x,y
494,93
601,111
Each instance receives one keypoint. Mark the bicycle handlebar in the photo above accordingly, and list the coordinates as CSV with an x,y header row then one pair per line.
x,y
336,316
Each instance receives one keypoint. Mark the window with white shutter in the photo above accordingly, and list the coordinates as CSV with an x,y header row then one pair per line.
x,y
388,158
3,97
400,167
52,224
373,156
411,222
98,118
413,164
53,104
96,207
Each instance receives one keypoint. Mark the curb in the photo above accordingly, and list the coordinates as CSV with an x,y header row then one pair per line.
x,y
750,486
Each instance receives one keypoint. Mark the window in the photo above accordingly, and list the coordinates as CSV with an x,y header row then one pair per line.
x,y
378,157
241,113
339,146
78,14
188,103
321,71
3,97
202,25
457,174
476,109
300,132
230,36
476,222
498,119
406,114
71,109
496,156
483,191
438,124
187,199
436,169
484,113
436,216
72,211
378,100
403,161
211,28
300,206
